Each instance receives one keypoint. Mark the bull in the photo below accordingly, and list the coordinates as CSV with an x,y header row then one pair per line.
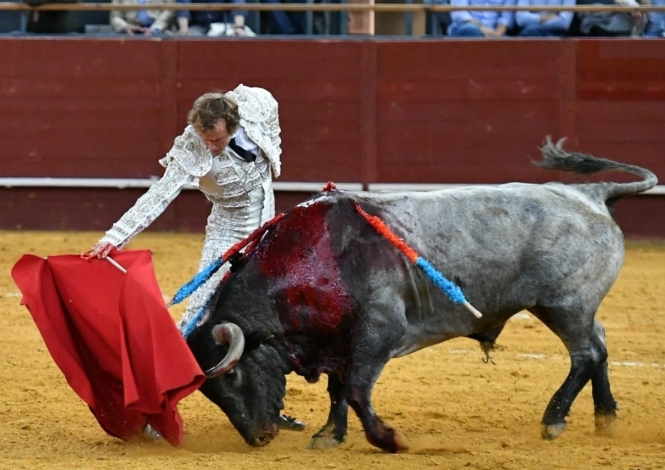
x,y
324,293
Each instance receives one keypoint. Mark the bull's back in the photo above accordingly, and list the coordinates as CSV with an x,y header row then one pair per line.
x,y
508,247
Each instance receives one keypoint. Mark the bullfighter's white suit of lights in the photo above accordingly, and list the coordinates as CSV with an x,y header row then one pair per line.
x,y
240,191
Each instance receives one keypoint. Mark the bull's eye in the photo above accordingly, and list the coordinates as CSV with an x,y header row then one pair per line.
x,y
233,377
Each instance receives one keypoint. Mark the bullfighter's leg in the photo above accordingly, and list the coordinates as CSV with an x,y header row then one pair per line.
x,y
576,329
605,407
334,431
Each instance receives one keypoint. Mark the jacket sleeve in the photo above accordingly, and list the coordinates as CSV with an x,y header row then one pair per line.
x,y
149,206
460,16
164,19
563,19
259,116
117,18
507,17
526,18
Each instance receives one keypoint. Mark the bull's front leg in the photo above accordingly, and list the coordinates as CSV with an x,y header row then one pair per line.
x,y
359,390
334,431
374,338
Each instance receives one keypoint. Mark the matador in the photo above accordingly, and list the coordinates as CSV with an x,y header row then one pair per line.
x,y
229,151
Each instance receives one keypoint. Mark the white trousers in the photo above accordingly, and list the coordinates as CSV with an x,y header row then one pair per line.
x,y
225,228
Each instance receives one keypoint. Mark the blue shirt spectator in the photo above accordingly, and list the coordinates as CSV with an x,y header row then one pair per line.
x,y
544,23
197,22
488,24
656,22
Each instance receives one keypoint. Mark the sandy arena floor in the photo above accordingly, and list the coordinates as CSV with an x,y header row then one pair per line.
x,y
456,411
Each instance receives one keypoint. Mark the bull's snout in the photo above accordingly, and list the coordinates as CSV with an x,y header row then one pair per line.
x,y
265,435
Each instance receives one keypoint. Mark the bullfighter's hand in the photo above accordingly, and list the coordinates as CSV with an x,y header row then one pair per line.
x,y
100,250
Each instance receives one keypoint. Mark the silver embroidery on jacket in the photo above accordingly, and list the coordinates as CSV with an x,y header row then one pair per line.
x,y
240,191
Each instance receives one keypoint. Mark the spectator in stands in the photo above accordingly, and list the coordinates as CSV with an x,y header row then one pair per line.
x,y
282,22
212,22
609,24
437,22
656,24
481,24
52,21
11,21
545,23
141,22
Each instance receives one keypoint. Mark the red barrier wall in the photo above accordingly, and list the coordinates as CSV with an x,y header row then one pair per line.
x,y
416,111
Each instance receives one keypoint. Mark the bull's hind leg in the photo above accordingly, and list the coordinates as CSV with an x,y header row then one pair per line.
x,y
605,407
576,329
334,431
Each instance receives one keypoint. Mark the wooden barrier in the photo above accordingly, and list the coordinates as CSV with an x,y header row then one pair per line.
x,y
367,111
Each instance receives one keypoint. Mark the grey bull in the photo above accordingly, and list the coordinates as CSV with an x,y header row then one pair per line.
x,y
324,293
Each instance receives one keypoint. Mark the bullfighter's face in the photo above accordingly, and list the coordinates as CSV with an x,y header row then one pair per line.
x,y
217,138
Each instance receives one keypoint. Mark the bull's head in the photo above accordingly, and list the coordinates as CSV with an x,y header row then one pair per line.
x,y
248,383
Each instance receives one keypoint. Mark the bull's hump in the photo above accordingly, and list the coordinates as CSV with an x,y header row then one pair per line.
x,y
303,272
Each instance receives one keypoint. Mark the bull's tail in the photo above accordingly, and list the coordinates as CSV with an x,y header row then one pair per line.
x,y
555,158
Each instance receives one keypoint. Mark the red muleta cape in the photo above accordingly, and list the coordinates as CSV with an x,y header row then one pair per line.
x,y
113,338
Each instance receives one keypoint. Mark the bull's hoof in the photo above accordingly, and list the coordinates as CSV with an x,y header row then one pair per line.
x,y
401,442
290,423
552,431
606,425
324,441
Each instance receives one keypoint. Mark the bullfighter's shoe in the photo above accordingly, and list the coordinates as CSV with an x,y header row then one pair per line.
x,y
290,423
151,433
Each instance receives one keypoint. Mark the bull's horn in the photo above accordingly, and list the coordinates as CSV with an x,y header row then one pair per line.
x,y
231,334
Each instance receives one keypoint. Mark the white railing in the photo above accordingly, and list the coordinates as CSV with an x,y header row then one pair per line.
x,y
285,186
